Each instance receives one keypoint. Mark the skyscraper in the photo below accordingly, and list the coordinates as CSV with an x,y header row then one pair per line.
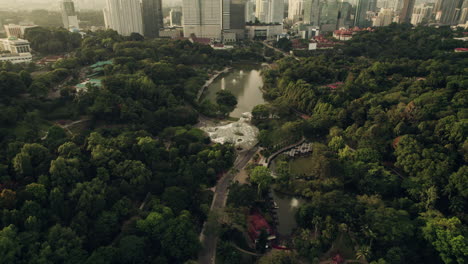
x,y
373,5
463,13
421,14
270,11
449,11
312,12
205,18
152,17
124,16
360,18
276,11
407,11
69,17
175,17
295,10
384,18
329,11
249,11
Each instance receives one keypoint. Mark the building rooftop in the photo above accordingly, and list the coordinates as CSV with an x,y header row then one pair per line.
x,y
101,64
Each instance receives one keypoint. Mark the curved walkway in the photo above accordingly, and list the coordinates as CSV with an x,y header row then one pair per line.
x,y
210,81
209,241
276,153
245,251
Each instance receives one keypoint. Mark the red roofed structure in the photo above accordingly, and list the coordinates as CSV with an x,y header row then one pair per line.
x,y
195,39
334,86
461,50
347,34
257,223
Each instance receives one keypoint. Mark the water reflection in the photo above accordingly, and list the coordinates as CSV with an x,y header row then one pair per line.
x,y
287,208
244,82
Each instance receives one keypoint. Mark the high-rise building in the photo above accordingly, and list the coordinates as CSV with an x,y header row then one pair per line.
x,y
261,10
344,13
152,17
312,12
463,13
270,11
276,11
69,17
407,11
249,11
360,18
124,16
421,14
237,19
373,5
383,18
295,10
204,18
329,12
175,17
449,11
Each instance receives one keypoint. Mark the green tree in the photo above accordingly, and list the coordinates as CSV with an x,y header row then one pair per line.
x,y
10,247
447,236
261,176
226,100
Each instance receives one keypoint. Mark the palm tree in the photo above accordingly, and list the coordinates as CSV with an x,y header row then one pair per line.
x,y
363,252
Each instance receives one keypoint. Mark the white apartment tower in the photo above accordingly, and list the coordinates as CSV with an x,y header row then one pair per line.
x,y
384,18
421,13
295,10
124,16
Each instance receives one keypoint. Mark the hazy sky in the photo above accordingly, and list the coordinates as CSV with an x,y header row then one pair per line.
x,y
54,4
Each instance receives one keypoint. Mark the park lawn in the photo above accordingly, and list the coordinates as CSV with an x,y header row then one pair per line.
x,y
21,129
301,166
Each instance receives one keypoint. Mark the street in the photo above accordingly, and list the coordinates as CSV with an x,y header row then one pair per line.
x,y
209,242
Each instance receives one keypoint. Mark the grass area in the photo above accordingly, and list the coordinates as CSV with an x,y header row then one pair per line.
x,y
79,128
301,166
21,129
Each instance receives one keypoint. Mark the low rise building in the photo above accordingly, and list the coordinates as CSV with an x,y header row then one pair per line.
x,y
15,45
347,34
15,50
264,31
16,58
173,33
13,30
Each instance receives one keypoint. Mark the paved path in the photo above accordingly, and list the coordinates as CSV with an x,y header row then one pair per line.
x,y
209,241
287,54
210,81
276,153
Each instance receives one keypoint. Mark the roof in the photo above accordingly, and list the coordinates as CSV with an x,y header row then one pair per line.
x,y
461,50
96,82
101,63
334,85
201,40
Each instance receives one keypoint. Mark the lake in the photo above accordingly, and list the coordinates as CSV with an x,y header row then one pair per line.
x,y
244,82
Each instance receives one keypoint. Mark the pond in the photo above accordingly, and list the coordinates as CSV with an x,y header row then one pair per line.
x,y
244,82
287,208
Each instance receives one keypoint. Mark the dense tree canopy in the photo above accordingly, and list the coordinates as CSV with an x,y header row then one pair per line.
x,y
389,106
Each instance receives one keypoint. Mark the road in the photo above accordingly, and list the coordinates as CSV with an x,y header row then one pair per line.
x,y
287,54
209,241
